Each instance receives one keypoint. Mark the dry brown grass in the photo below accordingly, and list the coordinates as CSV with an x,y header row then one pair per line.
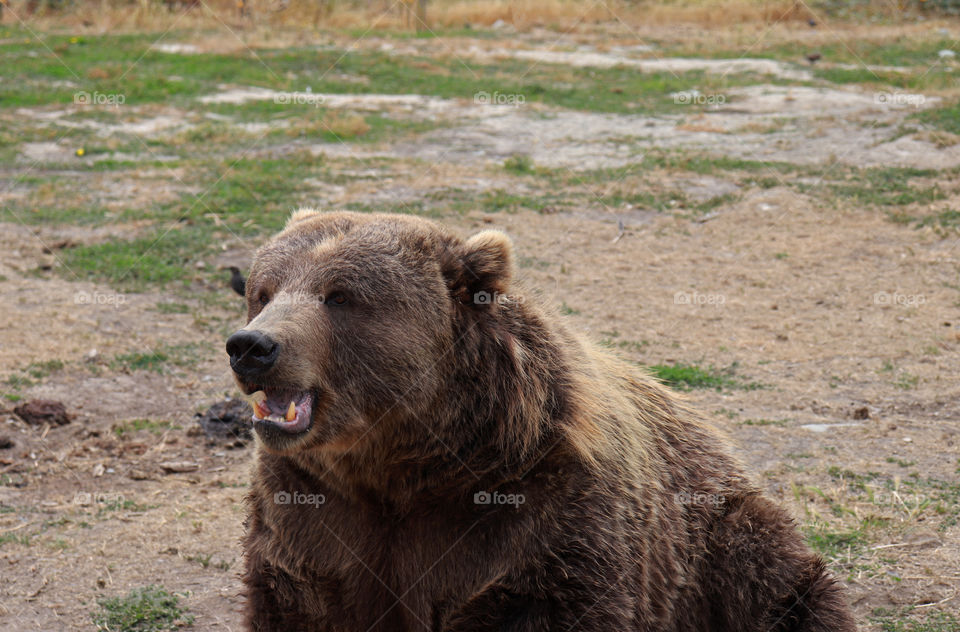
x,y
114,15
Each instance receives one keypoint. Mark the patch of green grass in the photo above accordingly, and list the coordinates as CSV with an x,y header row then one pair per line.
x,y
134,264
900,462
878,78
911,620
500,200
611,339
154,426
906,381
764,422
888,186
200,558
918,52
147,609
172,308
686,377
716,201
18,538
40,370
120,504
726,412
150,361
942,496
30,375
703,164
942,222
943,117
857,482
101,63
519,164
157,360
834,544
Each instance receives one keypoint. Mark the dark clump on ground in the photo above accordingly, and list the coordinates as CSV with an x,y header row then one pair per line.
x,y
227,422
43,411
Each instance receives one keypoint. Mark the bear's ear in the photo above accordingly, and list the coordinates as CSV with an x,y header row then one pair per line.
x,y
482,268
300,215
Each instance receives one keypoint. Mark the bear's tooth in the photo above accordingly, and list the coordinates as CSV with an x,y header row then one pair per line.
x,y
259,412
291,411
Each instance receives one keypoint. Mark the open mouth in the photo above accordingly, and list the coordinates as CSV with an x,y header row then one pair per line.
x,y
285,409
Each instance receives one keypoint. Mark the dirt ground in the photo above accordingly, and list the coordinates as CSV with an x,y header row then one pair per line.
x,y
840,327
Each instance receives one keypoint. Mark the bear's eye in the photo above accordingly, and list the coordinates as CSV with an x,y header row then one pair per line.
x,y
263,299
336,298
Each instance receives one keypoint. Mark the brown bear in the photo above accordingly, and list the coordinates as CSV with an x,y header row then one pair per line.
x,y
438,452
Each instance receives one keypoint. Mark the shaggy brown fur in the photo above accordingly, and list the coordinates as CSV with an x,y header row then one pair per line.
x,y
634,516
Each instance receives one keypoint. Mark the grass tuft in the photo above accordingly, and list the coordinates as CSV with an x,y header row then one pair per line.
x,y
148,609
686,377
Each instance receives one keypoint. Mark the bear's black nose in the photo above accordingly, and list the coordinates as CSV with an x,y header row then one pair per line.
x,y
252,353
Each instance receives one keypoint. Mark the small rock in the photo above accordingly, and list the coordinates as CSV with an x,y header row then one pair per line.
x,y
91,356
946,53
98,469
180,466
43,411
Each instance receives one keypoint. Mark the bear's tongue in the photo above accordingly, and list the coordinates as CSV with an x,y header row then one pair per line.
x,y
291,410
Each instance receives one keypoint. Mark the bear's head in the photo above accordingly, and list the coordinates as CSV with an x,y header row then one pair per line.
x,y
355,323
